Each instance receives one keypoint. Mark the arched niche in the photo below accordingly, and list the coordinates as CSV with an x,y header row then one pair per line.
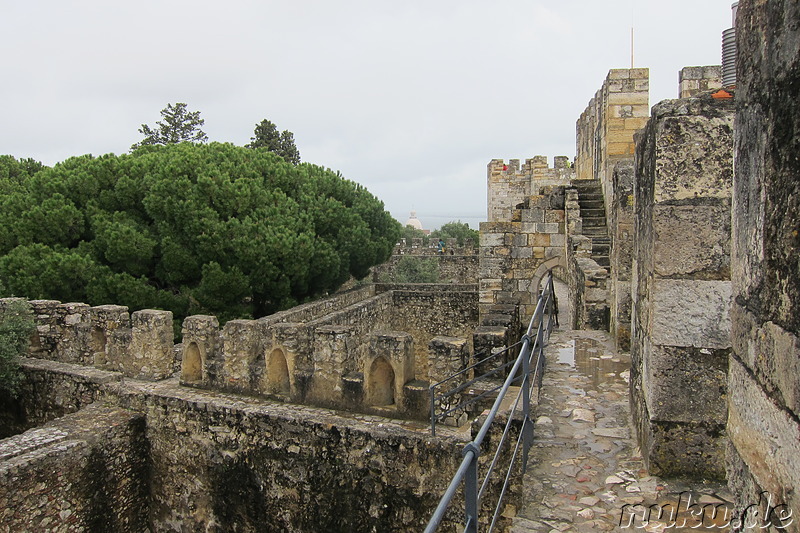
x,y
380,383
278,373
192,364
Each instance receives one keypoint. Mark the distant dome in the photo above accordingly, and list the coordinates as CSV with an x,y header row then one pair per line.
x,y
413,221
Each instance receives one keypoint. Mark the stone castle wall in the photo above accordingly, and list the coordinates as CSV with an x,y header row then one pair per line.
x,y
361,350
695,81
764,375
605,139
459,264
515,254
508,185
681,285
161,457
604,131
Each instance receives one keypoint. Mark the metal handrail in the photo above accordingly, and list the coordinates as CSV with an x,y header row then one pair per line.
x,y
532,352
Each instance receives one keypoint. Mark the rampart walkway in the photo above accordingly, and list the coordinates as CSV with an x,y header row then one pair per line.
x,y
585,466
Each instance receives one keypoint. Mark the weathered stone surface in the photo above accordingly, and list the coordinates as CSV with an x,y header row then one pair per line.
x,y
687,384
691,313
84,472
765,436
681,289
764,386
693,240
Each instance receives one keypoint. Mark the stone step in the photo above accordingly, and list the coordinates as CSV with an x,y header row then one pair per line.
x,y
594,199
594,221
593,212
601,260
591,204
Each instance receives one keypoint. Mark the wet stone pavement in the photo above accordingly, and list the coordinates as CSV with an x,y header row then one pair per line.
x,y
585,472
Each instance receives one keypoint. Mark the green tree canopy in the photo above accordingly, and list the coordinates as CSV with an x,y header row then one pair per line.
x,y
456,230
178,125
16,327
192,228
410,232
267,136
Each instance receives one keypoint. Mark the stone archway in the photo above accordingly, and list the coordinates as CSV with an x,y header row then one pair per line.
x,y
380,383
544,268
192,364
278,373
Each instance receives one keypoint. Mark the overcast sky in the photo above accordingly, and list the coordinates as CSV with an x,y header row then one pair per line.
x,y
411,99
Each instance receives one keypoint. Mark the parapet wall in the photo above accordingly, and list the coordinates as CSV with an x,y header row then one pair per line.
x,y
764,377
458,264
359,351
156,456
681,288
87,471
508,185
696,81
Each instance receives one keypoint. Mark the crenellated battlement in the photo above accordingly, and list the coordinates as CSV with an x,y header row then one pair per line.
x,y
365,350
509,184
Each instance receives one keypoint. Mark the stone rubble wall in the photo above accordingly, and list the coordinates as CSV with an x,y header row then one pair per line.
x,y
49,391
156,456
587,281
764,377
621,258
86,471
139,344
323,353
457,265
681,288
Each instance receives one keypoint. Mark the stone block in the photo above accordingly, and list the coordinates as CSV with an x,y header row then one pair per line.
x,y
446,356
685,449
522,253
109,347
243,357
201,362
548,227
558,239
685,384
771,353
765,436
492,239
554,216
691,313
701,233
520,240
540,239
618,74
151,345
533,215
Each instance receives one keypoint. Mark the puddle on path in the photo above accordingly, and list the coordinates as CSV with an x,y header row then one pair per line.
x,y
589,357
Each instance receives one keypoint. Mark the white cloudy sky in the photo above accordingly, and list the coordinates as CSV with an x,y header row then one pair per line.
x,y
410,98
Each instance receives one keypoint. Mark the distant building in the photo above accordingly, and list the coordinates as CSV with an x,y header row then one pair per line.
x,y
414,222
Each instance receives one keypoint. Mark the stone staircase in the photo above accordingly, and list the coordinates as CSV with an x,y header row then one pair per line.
x,y
593,213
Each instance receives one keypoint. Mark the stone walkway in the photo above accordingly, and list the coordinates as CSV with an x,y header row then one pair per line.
x,y
585,472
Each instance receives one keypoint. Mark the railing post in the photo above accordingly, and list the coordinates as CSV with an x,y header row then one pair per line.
x,y
471,490
433,411
527,425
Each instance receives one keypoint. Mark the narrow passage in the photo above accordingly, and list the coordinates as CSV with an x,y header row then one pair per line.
x,y
585,472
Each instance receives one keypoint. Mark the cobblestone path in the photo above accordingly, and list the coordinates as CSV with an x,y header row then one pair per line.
x,y
585,472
